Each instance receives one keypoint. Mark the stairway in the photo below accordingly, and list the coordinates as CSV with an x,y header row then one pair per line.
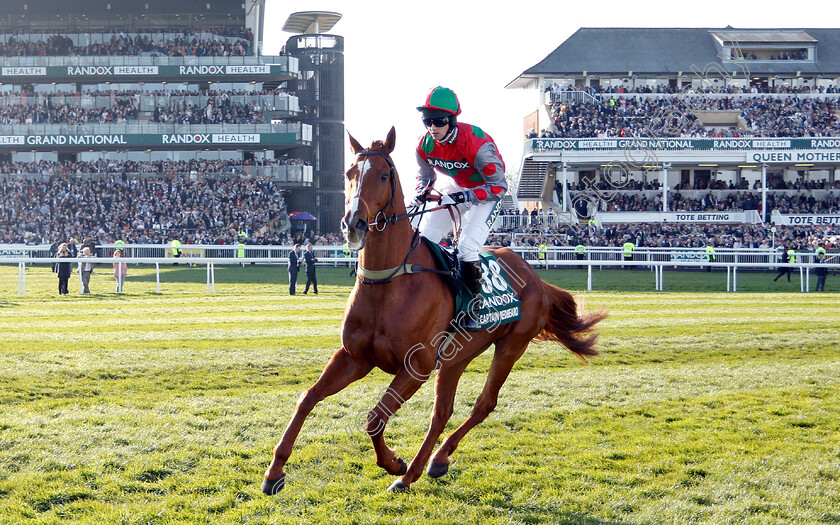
x,y
532,180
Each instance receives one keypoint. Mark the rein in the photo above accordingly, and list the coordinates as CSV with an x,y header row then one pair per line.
x,y
381,217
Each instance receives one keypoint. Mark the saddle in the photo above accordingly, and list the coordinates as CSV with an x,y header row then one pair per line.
x,y
500,304
446,261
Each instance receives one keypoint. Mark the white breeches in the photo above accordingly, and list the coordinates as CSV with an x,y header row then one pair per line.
x,y
475,222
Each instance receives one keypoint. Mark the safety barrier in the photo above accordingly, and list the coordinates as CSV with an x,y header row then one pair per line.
x,y
657,260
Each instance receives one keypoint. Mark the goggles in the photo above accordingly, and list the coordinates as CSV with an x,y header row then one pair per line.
x,y
436,122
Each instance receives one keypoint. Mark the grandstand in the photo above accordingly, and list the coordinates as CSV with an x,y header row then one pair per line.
x,y
147,88
645,124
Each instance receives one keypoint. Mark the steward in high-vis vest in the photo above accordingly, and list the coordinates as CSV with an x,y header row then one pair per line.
x,y
580,253
176,250
791,258
542,254
347,253
629,247
711,256
240,250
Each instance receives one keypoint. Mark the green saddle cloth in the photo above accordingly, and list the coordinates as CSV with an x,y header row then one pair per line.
x,y
500,304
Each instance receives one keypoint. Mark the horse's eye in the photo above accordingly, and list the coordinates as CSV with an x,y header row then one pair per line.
x,y
384,177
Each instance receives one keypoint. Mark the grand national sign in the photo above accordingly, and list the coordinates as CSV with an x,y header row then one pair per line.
x,y
771,150
127,140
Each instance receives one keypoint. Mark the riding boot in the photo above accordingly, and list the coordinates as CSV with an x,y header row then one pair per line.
x,y
471,273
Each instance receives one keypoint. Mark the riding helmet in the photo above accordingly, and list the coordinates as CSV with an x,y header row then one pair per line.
x,y
441,102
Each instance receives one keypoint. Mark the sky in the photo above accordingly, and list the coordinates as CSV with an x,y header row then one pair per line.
x,y
396,51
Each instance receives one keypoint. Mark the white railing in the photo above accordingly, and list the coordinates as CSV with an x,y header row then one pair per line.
x,y
657,259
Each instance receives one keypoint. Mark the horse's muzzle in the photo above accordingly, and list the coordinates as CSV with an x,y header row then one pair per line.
x,y
354,227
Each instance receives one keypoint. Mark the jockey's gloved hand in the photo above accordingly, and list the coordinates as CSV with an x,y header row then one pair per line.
x,y
459,197
422,196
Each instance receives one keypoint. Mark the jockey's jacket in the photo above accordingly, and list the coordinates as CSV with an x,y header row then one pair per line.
x,y
470,157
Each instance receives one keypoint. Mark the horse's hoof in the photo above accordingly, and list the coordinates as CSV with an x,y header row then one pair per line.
x,y
437,470
403,468
271,488
398,486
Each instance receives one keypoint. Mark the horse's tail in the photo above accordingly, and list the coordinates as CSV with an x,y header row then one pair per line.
x,y
575,331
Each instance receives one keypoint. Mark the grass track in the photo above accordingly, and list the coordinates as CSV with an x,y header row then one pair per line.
x,y
705,407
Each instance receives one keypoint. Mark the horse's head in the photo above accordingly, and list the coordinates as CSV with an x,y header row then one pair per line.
x,y
371,190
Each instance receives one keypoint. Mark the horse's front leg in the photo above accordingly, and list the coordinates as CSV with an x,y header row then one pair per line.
x,y
398,392
342,370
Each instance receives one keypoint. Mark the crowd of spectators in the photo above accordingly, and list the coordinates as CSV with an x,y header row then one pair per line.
x,y
803,203
192,167
706,87
186,43
664,235
118,113
49,98
213,202
195,210
217,111
800,54
760,116
230,31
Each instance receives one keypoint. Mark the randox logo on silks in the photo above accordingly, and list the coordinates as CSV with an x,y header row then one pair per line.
x,y
449,166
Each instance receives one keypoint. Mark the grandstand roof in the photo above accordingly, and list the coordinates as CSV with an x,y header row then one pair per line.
x,y
311,22
671,50
763,37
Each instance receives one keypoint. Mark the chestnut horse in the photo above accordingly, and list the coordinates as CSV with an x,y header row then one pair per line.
x,y
395,321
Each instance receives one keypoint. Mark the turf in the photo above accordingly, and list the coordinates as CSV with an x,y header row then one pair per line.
x,y
147,407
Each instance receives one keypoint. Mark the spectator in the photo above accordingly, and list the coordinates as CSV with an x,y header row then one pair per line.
x,y
309,261
120,271
86,269
63,269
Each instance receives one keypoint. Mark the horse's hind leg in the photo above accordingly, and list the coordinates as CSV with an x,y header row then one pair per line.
x,y
506,355
339,372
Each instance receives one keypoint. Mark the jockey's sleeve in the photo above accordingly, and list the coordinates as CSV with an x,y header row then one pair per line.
x,y
426,175
489,164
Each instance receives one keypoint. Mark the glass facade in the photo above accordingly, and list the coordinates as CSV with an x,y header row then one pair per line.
x,y
320,89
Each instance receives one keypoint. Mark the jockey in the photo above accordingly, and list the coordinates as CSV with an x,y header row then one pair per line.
x,y
474,183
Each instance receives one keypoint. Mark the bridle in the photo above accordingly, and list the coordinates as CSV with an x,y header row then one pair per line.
x,y
381,217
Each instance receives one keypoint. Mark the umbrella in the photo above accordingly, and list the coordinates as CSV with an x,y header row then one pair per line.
x,y
302,216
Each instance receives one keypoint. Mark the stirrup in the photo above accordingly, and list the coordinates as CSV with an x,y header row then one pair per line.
x,y
469,321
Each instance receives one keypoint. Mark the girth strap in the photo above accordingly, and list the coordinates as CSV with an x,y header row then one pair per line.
x,y
385,276
376,275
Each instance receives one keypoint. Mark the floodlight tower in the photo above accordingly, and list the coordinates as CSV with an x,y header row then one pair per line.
x,y
321,91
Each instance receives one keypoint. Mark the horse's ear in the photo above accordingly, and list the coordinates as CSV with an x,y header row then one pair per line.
x,y
391,141
354,145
